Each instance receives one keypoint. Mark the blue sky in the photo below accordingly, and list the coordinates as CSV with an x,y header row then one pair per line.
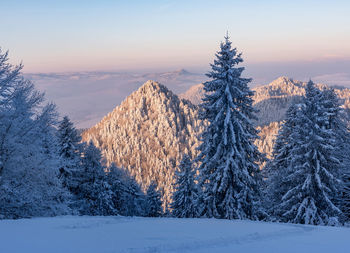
x,y
50,36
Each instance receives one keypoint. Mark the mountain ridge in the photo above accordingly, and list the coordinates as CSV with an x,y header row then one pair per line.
x,y
152,128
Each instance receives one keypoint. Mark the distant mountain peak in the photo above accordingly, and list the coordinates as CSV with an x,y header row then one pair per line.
x,y
153,90
182,72
283,81
153,86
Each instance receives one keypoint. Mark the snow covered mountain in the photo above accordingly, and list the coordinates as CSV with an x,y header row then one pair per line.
x,y
194,94
148,133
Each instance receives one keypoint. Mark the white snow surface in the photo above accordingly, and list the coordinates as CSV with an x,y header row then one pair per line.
x,y
129,234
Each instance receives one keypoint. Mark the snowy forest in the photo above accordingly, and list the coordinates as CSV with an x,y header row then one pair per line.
x,y
207,166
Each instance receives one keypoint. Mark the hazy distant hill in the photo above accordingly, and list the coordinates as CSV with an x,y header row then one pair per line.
x,y
87,96
148,133
194,94
272,100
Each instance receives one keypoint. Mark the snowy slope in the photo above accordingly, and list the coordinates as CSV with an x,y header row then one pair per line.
x,y
118,234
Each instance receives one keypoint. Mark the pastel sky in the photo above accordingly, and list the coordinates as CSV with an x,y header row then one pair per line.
x,y
77,35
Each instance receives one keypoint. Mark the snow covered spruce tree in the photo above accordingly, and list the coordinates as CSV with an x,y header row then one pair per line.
x,y
137,201
337,121
70,150
115,179
312,183
153,201
128,199
229,173
94,192
29,184
276,169
185,196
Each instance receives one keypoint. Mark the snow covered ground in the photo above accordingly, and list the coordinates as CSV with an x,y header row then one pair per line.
x,y
120,234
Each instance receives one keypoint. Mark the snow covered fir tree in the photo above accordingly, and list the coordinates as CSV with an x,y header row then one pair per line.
x,y
337,121
70,151
185,196
228,160
153,201
309,175
127,196
276,169
94,193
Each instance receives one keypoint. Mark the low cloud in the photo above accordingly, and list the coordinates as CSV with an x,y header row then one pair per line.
x,y
341,79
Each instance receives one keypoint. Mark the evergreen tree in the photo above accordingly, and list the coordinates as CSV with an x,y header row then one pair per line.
x,y
185,195
70,150
128,198
229,173
136,199
313,181
153,201
276,169
94,192
337,121
28,157
117,180
69,139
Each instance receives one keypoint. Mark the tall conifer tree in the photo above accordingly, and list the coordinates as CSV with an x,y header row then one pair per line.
x,y
312,183
228,159
337,121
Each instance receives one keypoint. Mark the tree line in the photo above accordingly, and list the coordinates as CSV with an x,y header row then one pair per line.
x,y
45,169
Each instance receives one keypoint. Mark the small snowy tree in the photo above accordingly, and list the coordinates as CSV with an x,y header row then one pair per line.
x,y
128,198
116,179
228,159
69,139
153,201
136,203
94,192
185,196
313,181
70,150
